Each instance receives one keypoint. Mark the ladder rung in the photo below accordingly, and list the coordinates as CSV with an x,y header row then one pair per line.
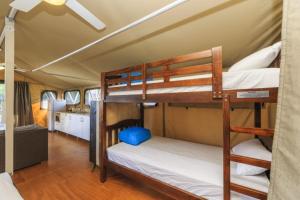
x,y
248,191
254,131
251,161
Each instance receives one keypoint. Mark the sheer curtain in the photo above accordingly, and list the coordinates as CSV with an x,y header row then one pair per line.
x,y
285,172
22,105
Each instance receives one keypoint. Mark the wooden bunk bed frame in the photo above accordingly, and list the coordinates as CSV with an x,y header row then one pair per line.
x,y
162,69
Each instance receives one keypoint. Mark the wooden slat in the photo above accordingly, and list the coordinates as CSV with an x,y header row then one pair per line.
x,y
181,59
254,131
251,161
185,97
182,71
124,88
248,191
194,82
192,69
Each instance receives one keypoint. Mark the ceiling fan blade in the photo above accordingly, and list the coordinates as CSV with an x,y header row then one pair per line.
x,y
24,5
85,14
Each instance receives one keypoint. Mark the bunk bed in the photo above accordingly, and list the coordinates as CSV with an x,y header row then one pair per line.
x,y
179,169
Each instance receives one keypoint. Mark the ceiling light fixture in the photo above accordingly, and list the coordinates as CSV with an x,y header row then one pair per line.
x,y
56,2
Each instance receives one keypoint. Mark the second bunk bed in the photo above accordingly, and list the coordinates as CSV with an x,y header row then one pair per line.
x,y
180,169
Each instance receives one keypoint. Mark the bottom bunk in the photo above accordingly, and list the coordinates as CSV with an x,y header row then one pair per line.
x,y
195,168
7,189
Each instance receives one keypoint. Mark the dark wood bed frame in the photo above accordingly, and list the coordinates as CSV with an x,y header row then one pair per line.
x,y
163,69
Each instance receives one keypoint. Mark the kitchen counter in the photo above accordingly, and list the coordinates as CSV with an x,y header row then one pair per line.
x,y
73,123
77,113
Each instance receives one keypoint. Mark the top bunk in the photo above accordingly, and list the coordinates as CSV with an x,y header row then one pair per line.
x,y
191,78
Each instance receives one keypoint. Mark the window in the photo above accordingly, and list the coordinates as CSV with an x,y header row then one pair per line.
x,y
47,95
72,97
91,95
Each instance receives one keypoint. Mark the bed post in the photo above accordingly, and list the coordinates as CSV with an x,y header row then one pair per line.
x,y
217,73
226,146
103,172
142,114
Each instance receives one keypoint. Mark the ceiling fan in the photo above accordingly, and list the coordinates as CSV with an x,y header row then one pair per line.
x,y
27,5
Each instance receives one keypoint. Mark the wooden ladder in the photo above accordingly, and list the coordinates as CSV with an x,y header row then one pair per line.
x,y
228,156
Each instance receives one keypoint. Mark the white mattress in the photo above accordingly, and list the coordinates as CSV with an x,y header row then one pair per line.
x,y
7,188
250,79
196,168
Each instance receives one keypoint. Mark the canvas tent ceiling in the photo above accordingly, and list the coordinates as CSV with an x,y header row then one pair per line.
x,y
48,32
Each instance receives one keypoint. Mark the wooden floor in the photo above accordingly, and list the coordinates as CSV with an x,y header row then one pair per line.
x,y
67,175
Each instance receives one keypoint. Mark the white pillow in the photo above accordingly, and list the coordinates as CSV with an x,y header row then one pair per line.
x,y
7,189
260,59
251,148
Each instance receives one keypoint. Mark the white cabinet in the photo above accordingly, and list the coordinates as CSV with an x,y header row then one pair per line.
x,y
84,122
57,126
59,123
62,122
74,124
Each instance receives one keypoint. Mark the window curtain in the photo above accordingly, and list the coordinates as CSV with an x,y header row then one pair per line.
x,y
22,105
285,171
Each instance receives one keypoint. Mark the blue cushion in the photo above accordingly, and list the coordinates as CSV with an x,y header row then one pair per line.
x,y
134,135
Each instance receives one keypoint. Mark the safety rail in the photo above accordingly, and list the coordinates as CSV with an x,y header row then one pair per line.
x,y
161,72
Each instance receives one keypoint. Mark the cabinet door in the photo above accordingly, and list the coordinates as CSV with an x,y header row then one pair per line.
x,y
78,126
86,128
67,122
62,122
57,126
73,125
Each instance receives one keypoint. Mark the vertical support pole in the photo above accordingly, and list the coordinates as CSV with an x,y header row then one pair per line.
x,y
103,146
226,146
9,93
257,115
142,114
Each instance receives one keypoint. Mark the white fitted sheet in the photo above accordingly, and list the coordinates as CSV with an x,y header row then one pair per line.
x,y
196,168
7,189
249,79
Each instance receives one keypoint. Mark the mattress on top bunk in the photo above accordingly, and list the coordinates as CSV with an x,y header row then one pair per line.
x,y
195,168
249,79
